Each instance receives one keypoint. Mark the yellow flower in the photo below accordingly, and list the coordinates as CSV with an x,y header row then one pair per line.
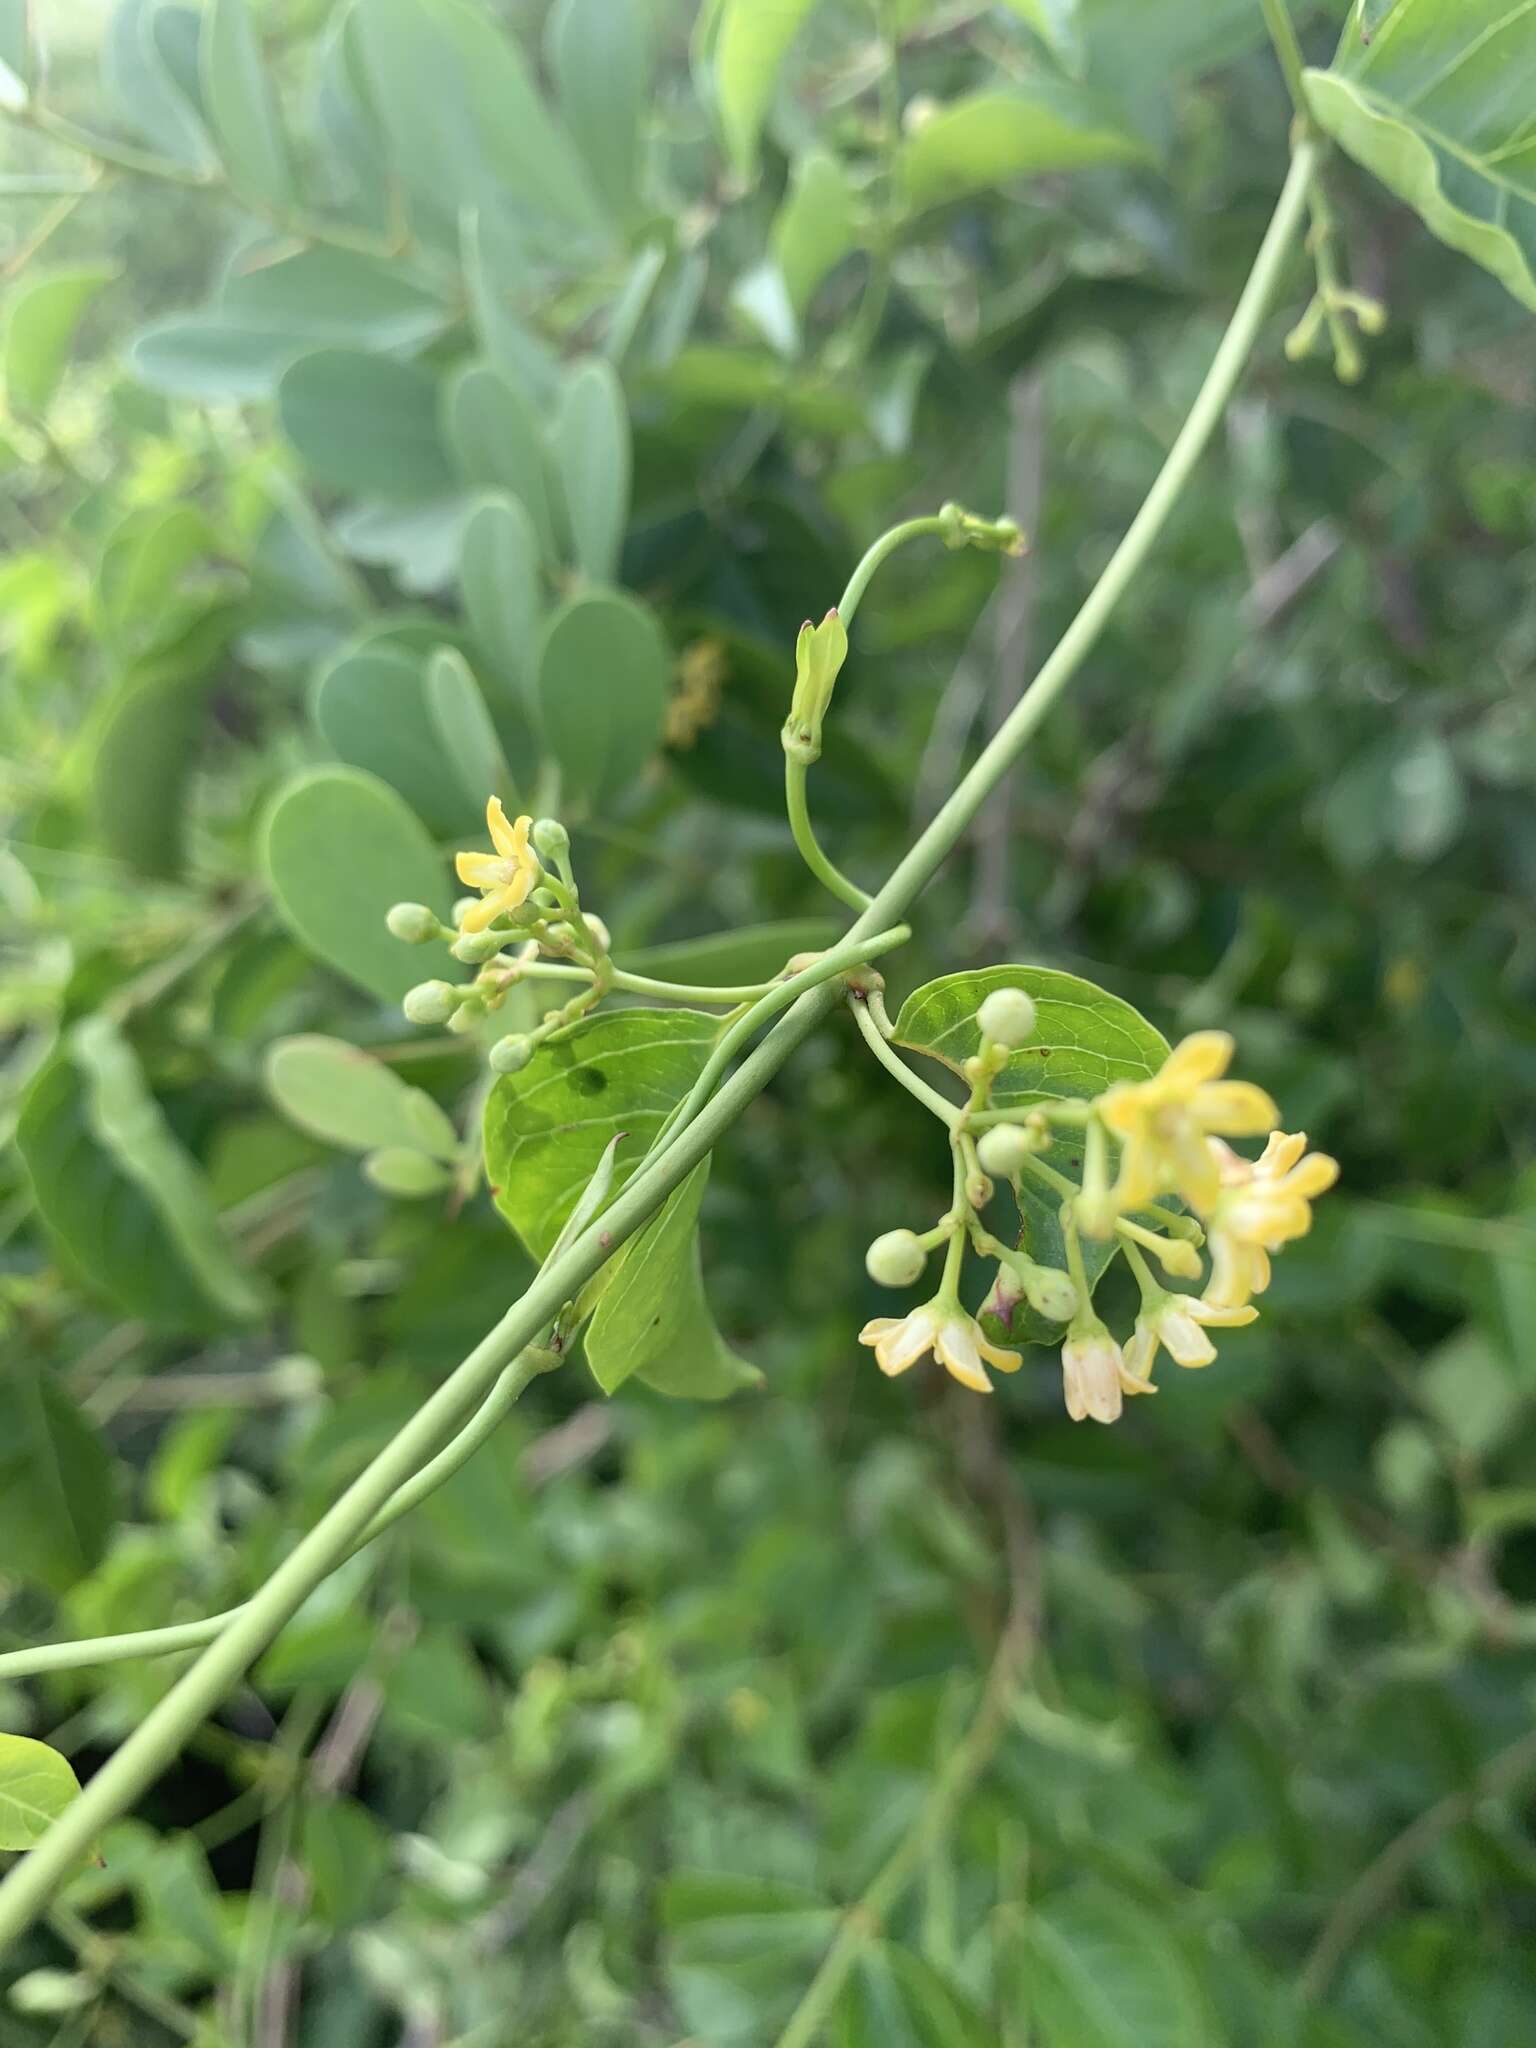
x,y
1263,1204
943,1328
1176,1323
505,876
1163,1124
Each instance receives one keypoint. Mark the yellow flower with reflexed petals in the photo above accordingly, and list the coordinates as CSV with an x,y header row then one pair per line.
x,y
1177,1324
943,1328
1164,1124
504,877
1264,1203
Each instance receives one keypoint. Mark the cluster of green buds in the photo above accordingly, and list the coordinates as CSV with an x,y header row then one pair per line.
x,y
1334,305
1157,1183
529,903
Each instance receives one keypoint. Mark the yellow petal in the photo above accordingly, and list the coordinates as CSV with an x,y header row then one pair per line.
x,y
503,836
1282,1152
994,1354
477,870
1313,1177
955,1346
1199,1058
479,915
1237,1109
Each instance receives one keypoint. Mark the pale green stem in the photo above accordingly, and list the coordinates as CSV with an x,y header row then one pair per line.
x,y
880,551
726,996
159,1736
1059,1182
804,831
947,1112
1146,1280
1282,34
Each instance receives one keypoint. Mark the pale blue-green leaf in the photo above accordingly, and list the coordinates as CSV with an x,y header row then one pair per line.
x,y
653,1322
592,456
617,1074
339,848
499,583
408,1175
145,91
40,326
1437,104
601,59
365,423
419,543
509,345
18,54
466,734
495,439
242,107
345,1096
603,678
993,137
371,705
817,225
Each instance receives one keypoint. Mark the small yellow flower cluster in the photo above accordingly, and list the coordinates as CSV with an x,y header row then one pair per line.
x,y
504,877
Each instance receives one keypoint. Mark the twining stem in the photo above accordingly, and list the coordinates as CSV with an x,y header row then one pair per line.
x,y
947,1112
806,842
159,1736
880,551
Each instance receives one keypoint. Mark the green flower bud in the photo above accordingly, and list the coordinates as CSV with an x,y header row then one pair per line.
x,y
551,841
431,1002
477,947
511,1054
412,923
1049,1291
896,1260
1004,1149
466,1017
1007,1017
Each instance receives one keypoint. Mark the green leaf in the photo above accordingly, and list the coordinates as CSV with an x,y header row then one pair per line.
x,y
347,1097
653,1322
990,138
39,329
600,56
58,1482
591,447
1084,1039
148,93
755,953
419,543
36,1784
146,746
495,440
128,1123
604,674
499,583
616,1074
465,731
242,109
896,2000
339,847
408,1175
1056,23
371,705
752,42
1437,104
365,423
739,1952
1105,1970
817,226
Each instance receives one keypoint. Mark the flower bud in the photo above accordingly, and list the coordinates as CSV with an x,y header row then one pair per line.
x,y
1007,1016
477,947
896,1260
1004,1149
511,1054
431,1002
412,923
551,841
1050,1292
466,1017
978,1190
598,929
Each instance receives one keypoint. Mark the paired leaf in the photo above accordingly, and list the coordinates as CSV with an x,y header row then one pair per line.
x,y
348,1098
144,69
991,138
340,847
592,454
58,1482
496,442
604,674
36,1784
41,325
499,583
371,704
1105,1970
465,731
653,1322
365,423
600,56
752,42
1437,103
242,109
817,226
618,1074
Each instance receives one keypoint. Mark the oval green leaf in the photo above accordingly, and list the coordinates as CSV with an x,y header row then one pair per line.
x,y
365,423
600,56
36,1784
592,454
604,674
242,109
58,1483
990,138
466,733
495,441
371,705
499,583
339,847
39,328
347,1097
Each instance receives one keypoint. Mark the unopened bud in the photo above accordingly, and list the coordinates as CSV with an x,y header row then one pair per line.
x,y
978,1190
1007,1016
477,947
551,841
1050,1292
431,1002
598,929
511,1054
412,923
466,1017
896,1260
1004,1149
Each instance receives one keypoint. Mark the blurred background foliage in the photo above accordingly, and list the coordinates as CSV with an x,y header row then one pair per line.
x,y
591,344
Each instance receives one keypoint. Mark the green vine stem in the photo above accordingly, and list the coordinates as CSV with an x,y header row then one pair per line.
x,y
159,1736
809,846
